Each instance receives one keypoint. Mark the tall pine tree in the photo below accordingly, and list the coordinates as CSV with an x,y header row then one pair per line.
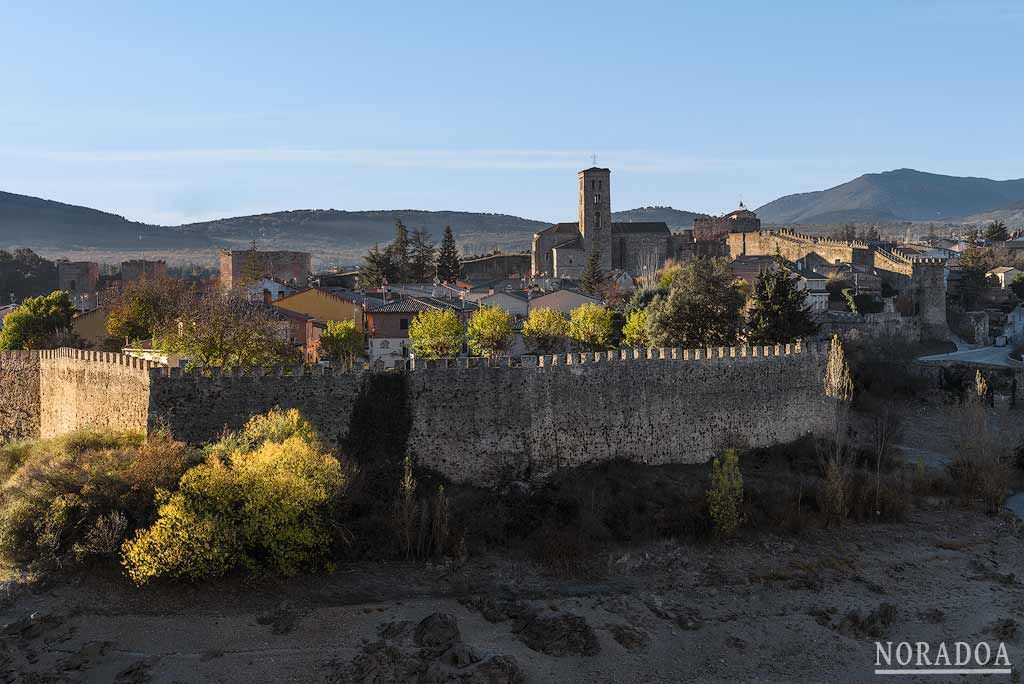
x,y
593,277
996,232
399,252
449,268
422,256
779,313
377,267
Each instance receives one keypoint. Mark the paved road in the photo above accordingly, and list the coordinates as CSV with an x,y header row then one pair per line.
x,y
994,356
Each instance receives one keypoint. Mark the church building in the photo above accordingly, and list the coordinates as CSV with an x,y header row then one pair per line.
x,y
562,250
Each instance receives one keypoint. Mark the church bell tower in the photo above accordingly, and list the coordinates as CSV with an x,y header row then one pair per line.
x,y
595,214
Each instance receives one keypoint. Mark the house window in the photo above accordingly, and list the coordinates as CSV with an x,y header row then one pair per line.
x,y
403,324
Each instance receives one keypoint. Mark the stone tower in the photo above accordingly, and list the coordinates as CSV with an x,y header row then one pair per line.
x,y
928,281
595,215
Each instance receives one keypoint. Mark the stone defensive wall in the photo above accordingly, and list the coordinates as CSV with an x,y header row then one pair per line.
x,y
921,280
795,246
471,421
19,395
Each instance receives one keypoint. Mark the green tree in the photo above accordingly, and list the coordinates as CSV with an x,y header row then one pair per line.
x,y
399,252
228,331
590,326
146,306
422,256
996,232
593,277
725,495
702,308
377,268
846,232
449,268
545,331
972,275
634,332
489,331
342,342
1018,286
38,322
23,273
436,334
778,314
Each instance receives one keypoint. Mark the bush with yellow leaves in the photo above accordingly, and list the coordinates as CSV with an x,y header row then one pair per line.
x,y
258,503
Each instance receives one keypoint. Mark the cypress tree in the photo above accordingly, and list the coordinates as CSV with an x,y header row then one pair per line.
x,y
593,278
449,268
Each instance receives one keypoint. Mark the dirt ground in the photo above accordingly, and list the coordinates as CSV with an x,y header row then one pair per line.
x,y
766,607
772,609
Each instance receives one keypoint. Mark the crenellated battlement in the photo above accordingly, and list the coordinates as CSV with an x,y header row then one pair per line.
x,y
89,356
817,240
299,371
654,354
18,355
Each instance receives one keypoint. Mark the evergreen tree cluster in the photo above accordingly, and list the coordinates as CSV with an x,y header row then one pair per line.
x,y
412,258
849,232
23,273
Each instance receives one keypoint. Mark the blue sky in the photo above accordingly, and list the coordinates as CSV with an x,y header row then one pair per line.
x,y
171,112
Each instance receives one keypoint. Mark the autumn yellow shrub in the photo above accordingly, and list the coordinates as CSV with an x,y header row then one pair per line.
x,y
262,508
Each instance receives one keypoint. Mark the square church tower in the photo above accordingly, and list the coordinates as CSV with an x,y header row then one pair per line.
x,y
595,214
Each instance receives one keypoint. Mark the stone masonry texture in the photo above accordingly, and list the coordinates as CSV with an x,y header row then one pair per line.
x,y
19,395
474,423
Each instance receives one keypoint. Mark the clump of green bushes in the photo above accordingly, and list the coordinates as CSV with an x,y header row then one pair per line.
x,y
71,499
264,500
260,502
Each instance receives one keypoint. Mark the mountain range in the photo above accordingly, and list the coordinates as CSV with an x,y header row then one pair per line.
x,y
341,237
894,196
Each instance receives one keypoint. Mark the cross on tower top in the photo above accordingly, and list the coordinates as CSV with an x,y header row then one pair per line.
x,y
593,159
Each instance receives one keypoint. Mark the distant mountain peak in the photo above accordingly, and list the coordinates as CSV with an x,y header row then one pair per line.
x,y
897,195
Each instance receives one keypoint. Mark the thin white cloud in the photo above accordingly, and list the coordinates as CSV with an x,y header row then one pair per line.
x,y
633,161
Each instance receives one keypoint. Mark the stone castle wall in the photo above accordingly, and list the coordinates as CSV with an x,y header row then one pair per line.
x,y
19,395
197,408
795,246
678,406
87,389
472,423
922,279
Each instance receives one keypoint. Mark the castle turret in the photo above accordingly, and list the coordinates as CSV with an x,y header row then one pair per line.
x,y
928,280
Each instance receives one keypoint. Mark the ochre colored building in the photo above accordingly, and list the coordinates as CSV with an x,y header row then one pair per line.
x,y
325,304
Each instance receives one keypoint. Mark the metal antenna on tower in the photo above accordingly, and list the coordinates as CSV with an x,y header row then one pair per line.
x,y
593,159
